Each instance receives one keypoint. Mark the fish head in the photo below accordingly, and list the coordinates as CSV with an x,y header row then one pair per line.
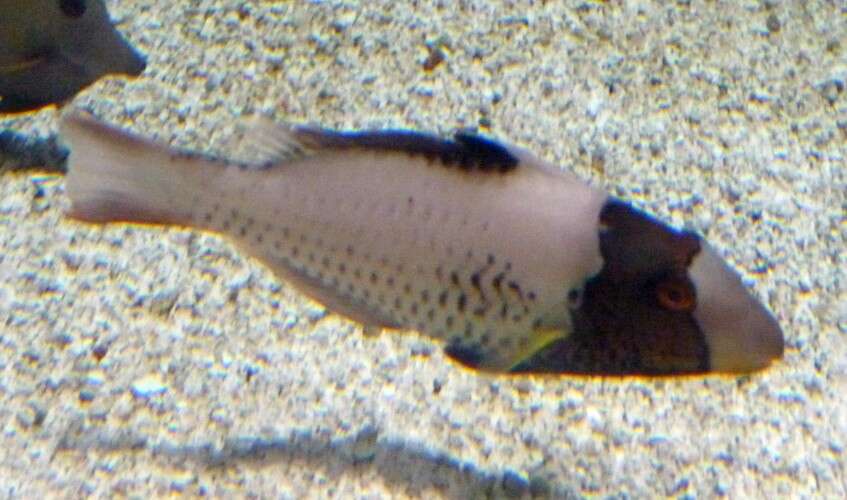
x,y
663,303
81,31
57,48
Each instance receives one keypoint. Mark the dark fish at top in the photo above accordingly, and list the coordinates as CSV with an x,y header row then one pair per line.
x,y
516,265
52,49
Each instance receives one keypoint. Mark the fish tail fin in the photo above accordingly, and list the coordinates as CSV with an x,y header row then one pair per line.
x,y
114,176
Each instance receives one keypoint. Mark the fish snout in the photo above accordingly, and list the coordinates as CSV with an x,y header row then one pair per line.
x,y
102,50
135,63
741,334
119,57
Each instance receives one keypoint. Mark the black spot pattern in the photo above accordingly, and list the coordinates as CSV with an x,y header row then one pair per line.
x,y
470,296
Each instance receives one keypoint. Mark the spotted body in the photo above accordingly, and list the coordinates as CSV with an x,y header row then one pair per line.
x,y
499,255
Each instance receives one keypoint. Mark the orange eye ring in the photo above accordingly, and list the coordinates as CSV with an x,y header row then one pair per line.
x,y
675,294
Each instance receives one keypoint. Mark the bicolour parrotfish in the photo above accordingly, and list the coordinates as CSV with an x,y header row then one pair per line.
x,y
52,49
514,264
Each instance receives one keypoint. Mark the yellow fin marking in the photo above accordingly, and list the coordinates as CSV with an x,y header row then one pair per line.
x,y
541,337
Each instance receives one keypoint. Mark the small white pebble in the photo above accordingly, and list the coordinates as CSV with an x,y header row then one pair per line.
x,y
148,385
94,377
180,480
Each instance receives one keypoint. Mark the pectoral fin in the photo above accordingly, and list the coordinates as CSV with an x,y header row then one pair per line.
x,y
541,338
496,361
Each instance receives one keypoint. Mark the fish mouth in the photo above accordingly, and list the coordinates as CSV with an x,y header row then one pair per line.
x,y
127,61
134,62
741,334
103,52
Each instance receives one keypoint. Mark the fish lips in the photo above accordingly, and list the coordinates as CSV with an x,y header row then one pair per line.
x,y
741,334
134,63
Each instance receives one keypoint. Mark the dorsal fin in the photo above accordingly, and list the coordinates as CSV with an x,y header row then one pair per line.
x,y
275,143
265,142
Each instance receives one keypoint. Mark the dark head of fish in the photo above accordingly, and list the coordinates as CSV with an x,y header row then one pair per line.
x,y
74,45
663,303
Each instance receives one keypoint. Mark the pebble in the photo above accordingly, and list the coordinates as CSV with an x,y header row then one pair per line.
x,y
31,415
764,115
148,385
365,445
514,485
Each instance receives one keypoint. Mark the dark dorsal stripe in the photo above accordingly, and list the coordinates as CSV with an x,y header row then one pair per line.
x,y
466,150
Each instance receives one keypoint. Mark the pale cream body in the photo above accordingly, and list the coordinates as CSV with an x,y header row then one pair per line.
x,y
393,240
482,260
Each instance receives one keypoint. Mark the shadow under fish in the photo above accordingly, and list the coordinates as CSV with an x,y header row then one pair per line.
x,y
20,151
404,464
52,49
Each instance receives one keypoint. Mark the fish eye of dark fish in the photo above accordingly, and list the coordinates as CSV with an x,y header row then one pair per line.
x,y
52,49
512,263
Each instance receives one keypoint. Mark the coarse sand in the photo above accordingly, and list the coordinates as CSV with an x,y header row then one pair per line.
x,y
144,362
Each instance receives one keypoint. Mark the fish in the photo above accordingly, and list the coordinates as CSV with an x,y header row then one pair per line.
x,y
51,49
513,264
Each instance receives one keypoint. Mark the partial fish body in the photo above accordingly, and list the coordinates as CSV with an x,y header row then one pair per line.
x,y
52,49
514,264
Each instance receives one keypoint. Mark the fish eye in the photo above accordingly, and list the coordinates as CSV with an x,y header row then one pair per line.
x,y
676,294
72,8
